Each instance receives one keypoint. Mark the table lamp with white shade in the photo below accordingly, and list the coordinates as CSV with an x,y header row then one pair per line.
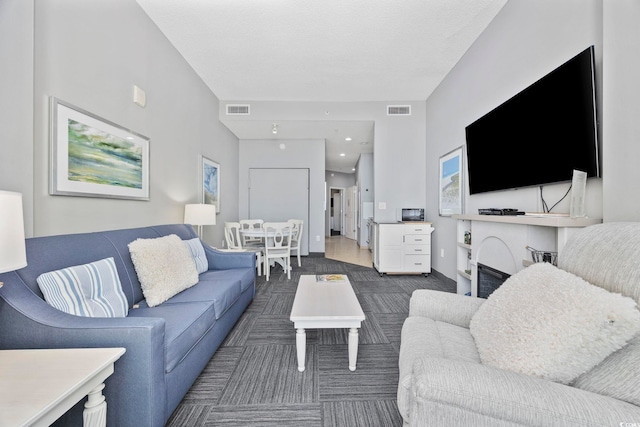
x,y
200,214
13,254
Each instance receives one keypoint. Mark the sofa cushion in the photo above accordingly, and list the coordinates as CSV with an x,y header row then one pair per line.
x,y
424,337
197,254
221,293
89,290
185,325
617,376
164,267
246,276
549,323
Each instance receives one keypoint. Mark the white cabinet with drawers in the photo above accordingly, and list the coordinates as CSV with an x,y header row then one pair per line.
x,y
403,248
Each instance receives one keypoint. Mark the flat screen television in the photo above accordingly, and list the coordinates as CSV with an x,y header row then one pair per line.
x,y
540,135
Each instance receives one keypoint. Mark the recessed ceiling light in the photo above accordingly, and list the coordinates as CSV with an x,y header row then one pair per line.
x,y
353,169
342,154
348,138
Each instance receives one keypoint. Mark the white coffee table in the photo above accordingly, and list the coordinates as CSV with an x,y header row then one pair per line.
x,y
322,305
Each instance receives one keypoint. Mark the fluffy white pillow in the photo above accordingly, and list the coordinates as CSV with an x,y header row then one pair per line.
x,y
164,267
549,323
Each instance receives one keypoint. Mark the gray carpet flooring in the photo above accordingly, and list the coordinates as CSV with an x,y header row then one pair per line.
x,y
253,380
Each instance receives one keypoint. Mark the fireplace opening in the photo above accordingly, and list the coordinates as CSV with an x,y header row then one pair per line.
x,y
489,279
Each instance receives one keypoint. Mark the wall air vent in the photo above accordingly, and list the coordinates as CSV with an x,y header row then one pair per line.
x,y
238,110
398,110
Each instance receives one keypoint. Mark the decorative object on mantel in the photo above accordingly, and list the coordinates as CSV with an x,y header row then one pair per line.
x,y
543,256
450,183
12,248
200,214
93,157
210,179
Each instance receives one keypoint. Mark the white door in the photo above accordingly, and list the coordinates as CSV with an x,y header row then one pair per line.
x,y
350,213
277,195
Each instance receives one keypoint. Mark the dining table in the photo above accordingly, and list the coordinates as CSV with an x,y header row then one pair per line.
x,y
255,232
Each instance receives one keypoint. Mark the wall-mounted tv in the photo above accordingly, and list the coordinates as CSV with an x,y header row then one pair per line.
x,y
540,135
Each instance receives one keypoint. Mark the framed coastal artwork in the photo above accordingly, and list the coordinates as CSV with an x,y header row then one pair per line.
x,y
210,181
93,157
450,183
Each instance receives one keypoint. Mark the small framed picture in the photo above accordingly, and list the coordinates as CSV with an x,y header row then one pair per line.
x,y
450,183
93,157
210,182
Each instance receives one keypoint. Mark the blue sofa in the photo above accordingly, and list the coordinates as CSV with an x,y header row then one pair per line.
x,y
167,346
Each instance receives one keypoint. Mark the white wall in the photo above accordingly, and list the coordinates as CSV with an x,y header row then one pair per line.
x,y
364,178
298,154
525,41
621,110
90,54
16,103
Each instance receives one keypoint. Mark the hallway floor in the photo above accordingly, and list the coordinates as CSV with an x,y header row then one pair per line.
x,y
343,249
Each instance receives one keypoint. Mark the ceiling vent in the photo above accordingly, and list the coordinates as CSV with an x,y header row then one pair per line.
x,y
238,110
398,110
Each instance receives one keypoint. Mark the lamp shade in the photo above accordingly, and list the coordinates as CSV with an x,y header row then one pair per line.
x,y
200,214
13,255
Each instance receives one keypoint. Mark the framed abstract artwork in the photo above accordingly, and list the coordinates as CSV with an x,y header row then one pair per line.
x,y
210,179
450,183
93,157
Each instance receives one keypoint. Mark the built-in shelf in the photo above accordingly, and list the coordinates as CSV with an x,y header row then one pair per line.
x,y
464,245
464,274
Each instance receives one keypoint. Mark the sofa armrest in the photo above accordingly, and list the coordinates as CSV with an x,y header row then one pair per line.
x,y
137,386
219,260
447,392
444,306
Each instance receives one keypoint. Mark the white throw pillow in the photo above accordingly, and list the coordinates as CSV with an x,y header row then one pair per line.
x,y
89,290
164,267
197,254
549,323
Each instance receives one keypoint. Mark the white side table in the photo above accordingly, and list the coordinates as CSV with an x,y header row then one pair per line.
x,y
39,386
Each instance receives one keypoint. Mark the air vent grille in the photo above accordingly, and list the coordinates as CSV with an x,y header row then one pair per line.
x,y
398,110
238,109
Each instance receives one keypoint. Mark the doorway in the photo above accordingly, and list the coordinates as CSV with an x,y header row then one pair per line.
x,y
336,212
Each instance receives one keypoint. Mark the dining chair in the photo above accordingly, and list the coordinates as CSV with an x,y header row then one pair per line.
x,y
252,224
234,242
277,237
296,237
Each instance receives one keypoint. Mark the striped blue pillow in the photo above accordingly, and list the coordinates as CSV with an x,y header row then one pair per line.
x,y
89,290
197,253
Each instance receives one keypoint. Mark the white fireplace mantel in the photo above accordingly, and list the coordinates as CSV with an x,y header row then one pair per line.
x,y
501,242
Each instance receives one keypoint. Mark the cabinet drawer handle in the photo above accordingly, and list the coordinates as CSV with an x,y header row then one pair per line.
x,y
418,263
418,250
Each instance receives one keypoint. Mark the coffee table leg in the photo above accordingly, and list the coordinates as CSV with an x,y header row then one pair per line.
x,y
301,346
353,348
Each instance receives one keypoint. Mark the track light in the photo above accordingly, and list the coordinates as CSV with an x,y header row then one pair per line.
x,y
274,128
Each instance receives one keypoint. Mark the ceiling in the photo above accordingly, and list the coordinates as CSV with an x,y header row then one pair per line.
x,y
329,51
